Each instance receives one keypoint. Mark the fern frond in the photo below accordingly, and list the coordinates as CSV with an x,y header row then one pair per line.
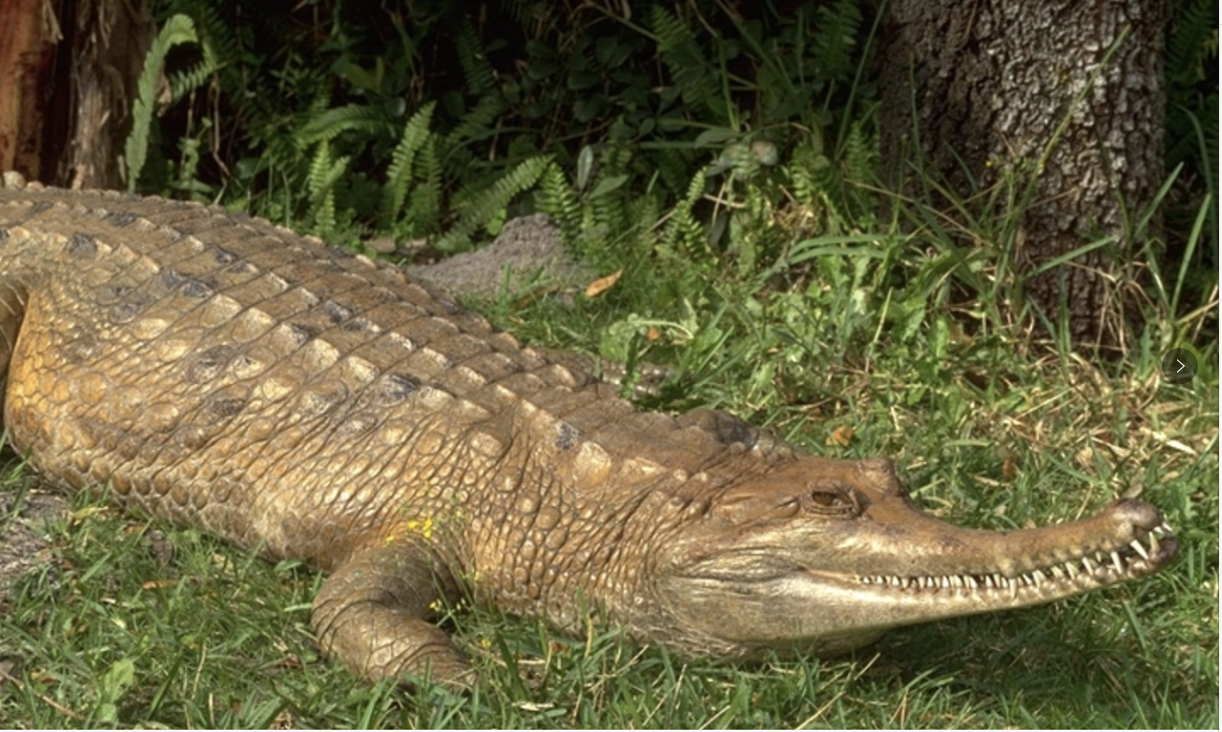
x,y
478,122
673,165
694,75
325,172
683,232
424,206
480,209
178,29
331,122
858,155
836,32
557,199
186,81
399,175
477,72
1188,43
214,32
644,212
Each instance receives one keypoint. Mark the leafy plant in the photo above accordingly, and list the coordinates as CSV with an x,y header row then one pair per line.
x,y
1192,124
483,206
178,29
399,176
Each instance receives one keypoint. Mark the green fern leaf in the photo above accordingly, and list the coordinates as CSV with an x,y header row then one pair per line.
x,y
858,156
695,76
399,175
325,173
683,232
480,209
477,72
558,199
476,124
1188,44
178,29
836,33
331,122
424,208
184,82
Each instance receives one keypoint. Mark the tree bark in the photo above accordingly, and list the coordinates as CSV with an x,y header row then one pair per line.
x,y
68,74
29,32
112,38
987,83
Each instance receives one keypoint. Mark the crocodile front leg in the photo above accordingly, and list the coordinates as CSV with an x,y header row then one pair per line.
x,y
373,613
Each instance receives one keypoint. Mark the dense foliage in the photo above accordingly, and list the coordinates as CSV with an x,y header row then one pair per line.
x,y
723,136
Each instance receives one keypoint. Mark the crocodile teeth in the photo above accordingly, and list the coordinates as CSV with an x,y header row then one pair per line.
x,y
1069,570
1137,547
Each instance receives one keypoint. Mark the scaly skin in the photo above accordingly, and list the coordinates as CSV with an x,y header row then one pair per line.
x,y
224,373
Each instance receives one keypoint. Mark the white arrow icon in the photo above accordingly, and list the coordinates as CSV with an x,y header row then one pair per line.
x,y
1182,366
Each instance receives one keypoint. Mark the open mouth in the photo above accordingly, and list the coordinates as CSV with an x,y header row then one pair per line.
x,y
1093,569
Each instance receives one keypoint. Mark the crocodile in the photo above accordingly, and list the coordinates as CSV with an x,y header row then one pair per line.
x,y
220,372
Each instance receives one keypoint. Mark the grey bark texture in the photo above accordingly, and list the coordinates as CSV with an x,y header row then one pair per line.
x,y
110,41
991,81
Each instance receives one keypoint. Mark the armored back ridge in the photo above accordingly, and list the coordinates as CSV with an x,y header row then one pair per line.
x,y
221,372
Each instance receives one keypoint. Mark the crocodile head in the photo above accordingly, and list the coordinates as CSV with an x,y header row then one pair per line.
x,y
825,556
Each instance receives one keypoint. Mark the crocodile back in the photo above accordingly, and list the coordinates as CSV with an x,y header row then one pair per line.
x,y
224,372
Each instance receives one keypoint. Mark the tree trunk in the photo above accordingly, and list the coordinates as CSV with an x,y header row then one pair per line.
x,y
112,38
28,34
68,73
991,81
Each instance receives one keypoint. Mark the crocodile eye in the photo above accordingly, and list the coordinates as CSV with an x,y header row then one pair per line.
x,y
827,499
831,501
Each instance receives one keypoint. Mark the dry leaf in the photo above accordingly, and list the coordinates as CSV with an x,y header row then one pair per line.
x,y
1008,456
841,436
158,584
602,284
